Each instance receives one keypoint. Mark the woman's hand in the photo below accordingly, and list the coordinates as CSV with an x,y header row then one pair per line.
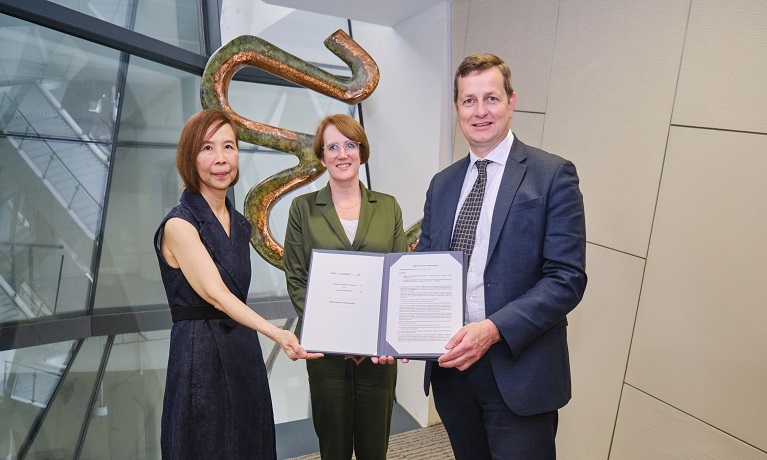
x,y
386,360
290,345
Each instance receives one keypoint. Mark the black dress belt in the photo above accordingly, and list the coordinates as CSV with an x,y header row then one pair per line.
x,y
197,312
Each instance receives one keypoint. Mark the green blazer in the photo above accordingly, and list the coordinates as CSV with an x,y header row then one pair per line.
x,y
314,224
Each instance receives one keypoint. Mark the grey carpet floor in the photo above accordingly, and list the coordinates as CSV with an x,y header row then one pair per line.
x,y
430,443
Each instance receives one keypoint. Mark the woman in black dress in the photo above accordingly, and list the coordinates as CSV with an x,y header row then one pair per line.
x,y
217,402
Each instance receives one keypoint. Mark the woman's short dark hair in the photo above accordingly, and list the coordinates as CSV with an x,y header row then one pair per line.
x,y
480,63
191,141
349,128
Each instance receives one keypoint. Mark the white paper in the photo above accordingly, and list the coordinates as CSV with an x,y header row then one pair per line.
x,y
425,303
345,297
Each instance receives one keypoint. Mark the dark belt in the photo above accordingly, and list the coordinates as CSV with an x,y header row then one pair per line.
x,y
197,312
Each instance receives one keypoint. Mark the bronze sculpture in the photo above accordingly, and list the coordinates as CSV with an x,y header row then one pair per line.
x,y
248,50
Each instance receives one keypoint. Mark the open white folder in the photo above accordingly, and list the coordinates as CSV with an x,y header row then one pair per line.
x,y
406,305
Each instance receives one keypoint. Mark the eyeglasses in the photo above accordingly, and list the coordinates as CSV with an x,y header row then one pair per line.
x,y
348,147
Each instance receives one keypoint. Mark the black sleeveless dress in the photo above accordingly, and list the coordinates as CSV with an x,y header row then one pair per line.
x,y
217,402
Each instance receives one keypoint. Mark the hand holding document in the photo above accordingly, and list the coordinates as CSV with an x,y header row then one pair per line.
x,y
406,305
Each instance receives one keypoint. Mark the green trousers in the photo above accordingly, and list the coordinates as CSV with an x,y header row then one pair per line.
x,y
351,406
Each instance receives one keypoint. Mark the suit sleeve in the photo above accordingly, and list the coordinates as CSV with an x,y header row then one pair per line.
x,y
295,260
424,241
563,271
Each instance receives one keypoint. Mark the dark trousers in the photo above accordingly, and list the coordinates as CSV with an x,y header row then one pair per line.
x,y
479,423
351,407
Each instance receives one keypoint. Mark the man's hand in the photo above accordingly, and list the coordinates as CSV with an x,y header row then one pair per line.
x,y
469,344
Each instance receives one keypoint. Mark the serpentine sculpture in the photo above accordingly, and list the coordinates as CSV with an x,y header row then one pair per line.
x,y
248,50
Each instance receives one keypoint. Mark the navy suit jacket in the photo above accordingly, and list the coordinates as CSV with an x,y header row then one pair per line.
x,y
535,272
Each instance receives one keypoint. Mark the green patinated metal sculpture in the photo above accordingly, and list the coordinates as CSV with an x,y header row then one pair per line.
x,y
248,50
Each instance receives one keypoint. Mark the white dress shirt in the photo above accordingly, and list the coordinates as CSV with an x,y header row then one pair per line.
x,y
475,288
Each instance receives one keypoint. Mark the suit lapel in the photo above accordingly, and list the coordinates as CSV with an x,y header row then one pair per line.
x,y
452,194
325,200
367,211
214,237
240,233
512,177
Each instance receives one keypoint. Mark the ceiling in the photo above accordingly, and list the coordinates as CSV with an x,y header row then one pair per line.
x,y
385,13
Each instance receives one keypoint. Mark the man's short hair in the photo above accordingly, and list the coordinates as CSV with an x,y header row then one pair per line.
x,y
480,63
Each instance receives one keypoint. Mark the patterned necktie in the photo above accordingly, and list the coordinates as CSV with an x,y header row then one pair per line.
x,y
466,224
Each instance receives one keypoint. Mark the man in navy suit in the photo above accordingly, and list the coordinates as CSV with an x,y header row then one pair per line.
x,y
506,372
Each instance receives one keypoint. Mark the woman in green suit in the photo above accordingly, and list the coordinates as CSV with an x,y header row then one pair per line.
x,y
352,397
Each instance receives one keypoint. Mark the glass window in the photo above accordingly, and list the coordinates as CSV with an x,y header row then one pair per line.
x,y
128,405
53,193
115,12
27,381
58,107
145,186
158,101
171,21
56,85
60,429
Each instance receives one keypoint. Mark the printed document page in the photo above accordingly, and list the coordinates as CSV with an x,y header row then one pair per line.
x,y
343,301
425,303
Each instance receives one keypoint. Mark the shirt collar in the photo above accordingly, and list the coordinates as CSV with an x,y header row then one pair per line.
x,y
500,154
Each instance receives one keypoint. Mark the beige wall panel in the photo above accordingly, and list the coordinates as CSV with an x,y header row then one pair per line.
x,y
459,21
699,343
648,429
611,94
599,336
528,126
521,33
723,79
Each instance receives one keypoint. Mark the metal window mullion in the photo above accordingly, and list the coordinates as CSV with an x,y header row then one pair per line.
x,y
121,84
94,394
38,422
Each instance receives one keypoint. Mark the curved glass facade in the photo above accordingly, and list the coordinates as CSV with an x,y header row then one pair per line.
x,y
88,131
